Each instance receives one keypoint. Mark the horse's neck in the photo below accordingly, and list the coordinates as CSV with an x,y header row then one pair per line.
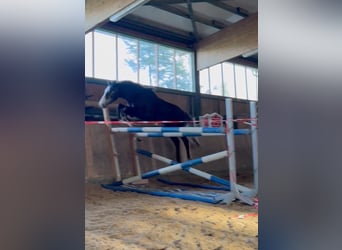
x,y
127,93
137,96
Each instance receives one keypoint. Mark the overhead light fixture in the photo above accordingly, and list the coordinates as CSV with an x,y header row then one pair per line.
x,y
128,9
250,53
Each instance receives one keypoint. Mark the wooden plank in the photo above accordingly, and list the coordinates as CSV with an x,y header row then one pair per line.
x,y
228,43
98,12
89,153
99,160
181,101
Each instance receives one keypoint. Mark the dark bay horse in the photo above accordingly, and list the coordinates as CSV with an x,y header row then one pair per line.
x,y
143,104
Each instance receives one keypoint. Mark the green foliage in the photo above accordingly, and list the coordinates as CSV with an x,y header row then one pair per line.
x,y
167,67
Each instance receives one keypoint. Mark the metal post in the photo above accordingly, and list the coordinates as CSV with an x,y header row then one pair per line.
x,y
254,137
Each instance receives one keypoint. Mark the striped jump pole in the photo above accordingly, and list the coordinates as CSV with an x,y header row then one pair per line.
x,y
176,134
156,157
194,171
189,134
172,168
235,189
178,131
169,130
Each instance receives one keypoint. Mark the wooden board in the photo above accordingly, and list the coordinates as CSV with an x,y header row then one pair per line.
x,y
228,43
97,12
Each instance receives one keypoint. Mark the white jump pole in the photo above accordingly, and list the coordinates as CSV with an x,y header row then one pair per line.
x,y
133,144
231,146
172,168
254,137
113,146
235,192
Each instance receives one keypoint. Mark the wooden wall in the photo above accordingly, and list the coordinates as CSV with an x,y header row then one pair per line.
x,y
98,12
100,164
226,44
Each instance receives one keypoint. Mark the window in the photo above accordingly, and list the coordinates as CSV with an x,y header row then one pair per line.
x,y
127,59
148,63
228,79
104,56
231,80
89,55
252,83
204,81
215,76
184,70
117,57
240,81
166,67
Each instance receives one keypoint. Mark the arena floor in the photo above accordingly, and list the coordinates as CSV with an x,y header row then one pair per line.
x,y
126,220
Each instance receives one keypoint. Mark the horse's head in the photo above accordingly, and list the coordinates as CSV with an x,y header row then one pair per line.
x,y
110,94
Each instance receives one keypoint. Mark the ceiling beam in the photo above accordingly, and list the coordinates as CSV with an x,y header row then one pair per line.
x,y
245,61
183,12
146,29
157,2
193,21
98,12
232,41
235,10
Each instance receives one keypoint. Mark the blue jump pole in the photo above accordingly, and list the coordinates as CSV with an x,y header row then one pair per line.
x,y
179,131
173,167
194,171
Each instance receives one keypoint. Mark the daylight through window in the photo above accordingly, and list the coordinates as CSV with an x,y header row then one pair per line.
x,y
231,80
113,56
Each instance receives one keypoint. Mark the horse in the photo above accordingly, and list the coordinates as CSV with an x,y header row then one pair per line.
x,y
143,104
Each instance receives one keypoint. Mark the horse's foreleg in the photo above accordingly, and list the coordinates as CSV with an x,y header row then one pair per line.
x,y
121,111
187,146
175,141
126,113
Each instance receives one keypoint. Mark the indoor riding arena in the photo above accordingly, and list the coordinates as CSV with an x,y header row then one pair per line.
x,y
171,122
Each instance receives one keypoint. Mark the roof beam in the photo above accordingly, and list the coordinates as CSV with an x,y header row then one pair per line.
x,y
236,10
232,41
193,22
98,12
157,2
150,30
183,12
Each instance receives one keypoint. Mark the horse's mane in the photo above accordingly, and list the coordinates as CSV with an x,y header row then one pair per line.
x,y
128,82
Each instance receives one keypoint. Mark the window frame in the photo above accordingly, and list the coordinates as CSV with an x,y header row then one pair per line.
x,y
246,86
116,36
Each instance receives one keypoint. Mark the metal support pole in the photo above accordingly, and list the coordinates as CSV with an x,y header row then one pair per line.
x,y
254,138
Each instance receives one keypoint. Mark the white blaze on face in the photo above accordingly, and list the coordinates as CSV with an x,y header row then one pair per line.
x,y
103,101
